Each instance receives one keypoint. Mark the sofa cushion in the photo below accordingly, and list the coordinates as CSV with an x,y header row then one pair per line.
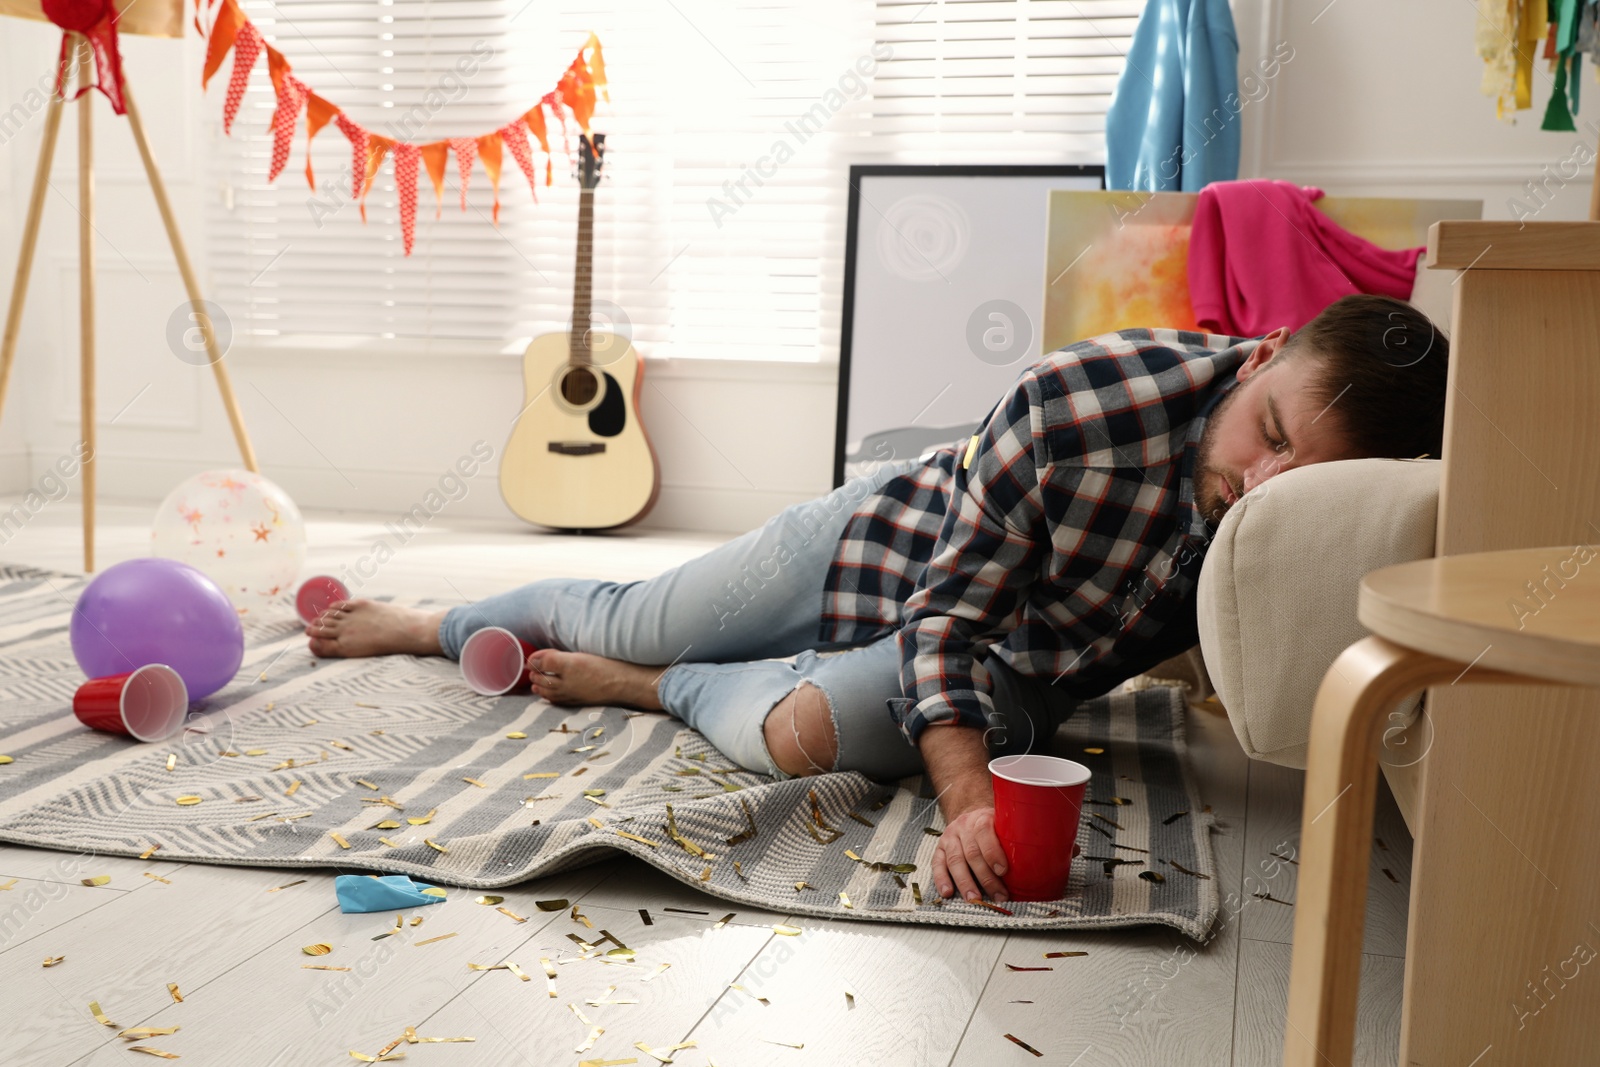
x,y
1278,589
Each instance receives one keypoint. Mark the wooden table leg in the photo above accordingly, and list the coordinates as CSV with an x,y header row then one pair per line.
x,y
86,290
30,240
191,285
1347,722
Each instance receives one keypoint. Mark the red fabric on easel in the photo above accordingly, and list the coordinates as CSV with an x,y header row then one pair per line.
x,y
96,20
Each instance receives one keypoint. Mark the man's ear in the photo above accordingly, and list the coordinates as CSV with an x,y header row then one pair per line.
x,y
1269,347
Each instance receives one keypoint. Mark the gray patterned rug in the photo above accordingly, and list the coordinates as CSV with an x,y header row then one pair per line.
x,y
393,765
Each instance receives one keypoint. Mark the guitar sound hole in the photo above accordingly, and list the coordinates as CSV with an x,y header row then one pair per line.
x,y
579,386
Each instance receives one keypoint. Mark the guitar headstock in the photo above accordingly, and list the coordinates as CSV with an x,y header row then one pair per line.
x,y
591,158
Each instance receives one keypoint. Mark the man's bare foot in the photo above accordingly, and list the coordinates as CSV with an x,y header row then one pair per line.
x,y
583,679
374,628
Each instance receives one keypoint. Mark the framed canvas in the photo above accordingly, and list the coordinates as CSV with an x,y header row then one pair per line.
x,y
944,289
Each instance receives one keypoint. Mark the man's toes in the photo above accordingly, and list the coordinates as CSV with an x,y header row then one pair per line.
x,y
324,648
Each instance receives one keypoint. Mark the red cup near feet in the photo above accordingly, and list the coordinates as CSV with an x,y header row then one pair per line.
x,y
147,704
495,661
317,594
1038,801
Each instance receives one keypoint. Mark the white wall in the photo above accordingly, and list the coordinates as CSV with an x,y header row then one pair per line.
x,y
1378,99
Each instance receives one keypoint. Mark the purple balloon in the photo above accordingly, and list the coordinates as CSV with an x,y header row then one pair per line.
x,y
158,611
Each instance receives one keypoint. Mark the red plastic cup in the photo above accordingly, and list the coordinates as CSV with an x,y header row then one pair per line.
x,y
1038,801
495,661
147,704
317,594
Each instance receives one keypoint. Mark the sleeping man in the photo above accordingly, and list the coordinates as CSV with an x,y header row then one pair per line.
x,y
967,600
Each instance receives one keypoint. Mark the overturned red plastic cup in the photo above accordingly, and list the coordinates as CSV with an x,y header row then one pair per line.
x,y
495,661
317,594
147,704
1038,801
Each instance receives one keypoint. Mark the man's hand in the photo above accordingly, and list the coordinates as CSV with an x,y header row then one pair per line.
x,y
968,858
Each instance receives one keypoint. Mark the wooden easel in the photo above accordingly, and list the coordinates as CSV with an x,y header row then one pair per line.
x,y
30,237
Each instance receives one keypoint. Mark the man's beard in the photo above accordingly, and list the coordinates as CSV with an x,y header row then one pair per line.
x,y
1207,497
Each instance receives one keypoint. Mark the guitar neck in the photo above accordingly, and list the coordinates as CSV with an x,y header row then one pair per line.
x,y
583,280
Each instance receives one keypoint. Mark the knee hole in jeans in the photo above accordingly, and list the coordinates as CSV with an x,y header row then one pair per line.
x,y
800,732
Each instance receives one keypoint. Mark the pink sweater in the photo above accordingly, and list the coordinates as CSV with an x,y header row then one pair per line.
x,y
1261,256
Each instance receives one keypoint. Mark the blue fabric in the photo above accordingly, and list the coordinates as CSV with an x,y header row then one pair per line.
x,y
392,892
1174,120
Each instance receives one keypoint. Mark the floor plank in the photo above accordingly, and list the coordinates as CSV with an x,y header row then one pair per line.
x,y
914,988
1264,999
267,1009
1142,996
1274,826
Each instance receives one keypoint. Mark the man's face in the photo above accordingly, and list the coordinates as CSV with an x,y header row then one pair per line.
x,y
1264,425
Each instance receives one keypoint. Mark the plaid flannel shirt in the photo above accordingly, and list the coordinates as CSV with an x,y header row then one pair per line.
x,y
1062,538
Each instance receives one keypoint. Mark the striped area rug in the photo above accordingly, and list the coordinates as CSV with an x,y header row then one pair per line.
x,y
393,765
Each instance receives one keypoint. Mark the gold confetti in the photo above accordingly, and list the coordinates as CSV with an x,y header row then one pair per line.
x,y
474,781
579,917
490,900
724,921
916,892
1014,967
993,907
188,801
285,765
760,1000
262,752
293,787
369,785
739,871
99,879
687,772
359,704
1195,874
147,853
391,844
579,771
705,875
153,1051
8,885
656,973
517,735
636,837
1095,751
550,974
862,821
1017,1040
157,877
139,1033
588,1042
387,824
1062,955
512,914
596,823
1153,876
100,1016
543,774
6,759
434,892
596,800
785,1044
51,961
416,920
177,997
786,931
662,1054
431,940
545,905
431,843
338,839
341,745
321,948
288,885
584,748
385,1058
172,761
321,967
849,999
851,853
518,971
246,800
800,886
845,900
931,832
607,1063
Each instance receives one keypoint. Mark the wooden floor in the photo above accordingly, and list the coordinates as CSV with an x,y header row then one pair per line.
x,y
848,992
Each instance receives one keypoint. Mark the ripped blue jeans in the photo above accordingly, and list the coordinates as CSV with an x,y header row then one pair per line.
x,y
723,621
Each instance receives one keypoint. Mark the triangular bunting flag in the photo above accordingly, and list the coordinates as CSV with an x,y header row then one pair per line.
x,y
435,156
245,51
318,114
291,98
466,150
515,136
405,180
358,138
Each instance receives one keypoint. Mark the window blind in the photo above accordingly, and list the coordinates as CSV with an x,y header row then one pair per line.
x,y
720,219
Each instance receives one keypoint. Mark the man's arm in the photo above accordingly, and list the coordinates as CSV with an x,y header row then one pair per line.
x,y
968,859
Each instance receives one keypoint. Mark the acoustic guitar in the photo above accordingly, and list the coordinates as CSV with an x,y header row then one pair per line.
x,y
578,457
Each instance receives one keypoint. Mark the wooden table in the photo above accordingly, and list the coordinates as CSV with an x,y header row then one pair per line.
x,y
1452,620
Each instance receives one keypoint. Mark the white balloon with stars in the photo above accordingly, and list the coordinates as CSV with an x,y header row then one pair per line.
x,y
241,530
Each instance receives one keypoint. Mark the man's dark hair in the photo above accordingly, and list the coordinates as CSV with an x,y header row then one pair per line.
x,y
1381,371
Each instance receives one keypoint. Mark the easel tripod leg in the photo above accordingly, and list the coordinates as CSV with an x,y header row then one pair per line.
x,y
190,284
86,393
